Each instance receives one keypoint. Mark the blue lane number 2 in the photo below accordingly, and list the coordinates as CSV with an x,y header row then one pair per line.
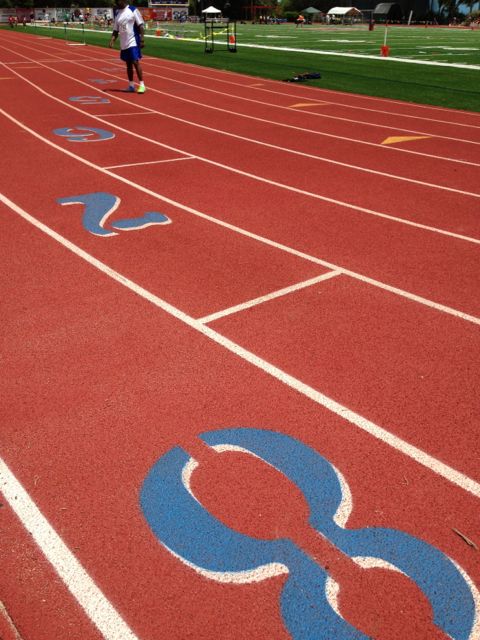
x,y
99,207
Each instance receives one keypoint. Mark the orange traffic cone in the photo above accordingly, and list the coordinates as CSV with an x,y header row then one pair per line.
x,y
231,39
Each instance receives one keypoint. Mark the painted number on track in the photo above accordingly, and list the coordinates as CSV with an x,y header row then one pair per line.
x,y
84,134
308,599
89,99
99,207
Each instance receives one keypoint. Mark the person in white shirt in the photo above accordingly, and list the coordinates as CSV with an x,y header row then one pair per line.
x,y
129,25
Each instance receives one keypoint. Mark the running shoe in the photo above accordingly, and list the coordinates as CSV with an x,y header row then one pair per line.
x,y
141,89
130,89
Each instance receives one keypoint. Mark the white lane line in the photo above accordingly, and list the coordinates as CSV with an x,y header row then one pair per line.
x,y
142,164
270,296
402,446
147,112
276,147
21,62
271,243
97,607
310,113
263,88
182,66
12,631
252,176
37,66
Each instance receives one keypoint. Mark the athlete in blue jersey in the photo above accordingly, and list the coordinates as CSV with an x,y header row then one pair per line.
x,y
129,25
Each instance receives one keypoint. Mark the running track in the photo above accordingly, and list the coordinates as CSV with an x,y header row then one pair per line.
x,y
311,287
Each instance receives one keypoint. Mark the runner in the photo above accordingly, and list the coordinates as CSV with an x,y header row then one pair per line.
x,y
129,24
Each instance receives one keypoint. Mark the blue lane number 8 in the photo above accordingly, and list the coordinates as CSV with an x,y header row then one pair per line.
x,y
203,543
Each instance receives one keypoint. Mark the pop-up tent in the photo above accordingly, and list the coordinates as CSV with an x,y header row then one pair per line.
x,y
211,11
387,11
344,12
311,13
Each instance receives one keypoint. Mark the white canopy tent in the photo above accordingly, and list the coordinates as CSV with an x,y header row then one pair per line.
x,y
344,12
211,10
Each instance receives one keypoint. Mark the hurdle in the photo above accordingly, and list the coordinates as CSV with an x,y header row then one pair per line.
x,y
74,43
221,26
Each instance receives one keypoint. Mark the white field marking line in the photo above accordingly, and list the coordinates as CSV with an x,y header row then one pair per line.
x,y
260,143
91,599
261,87
297,128
252,176
270,296
336,52
426,460
376,283
362,55
143,164
331,91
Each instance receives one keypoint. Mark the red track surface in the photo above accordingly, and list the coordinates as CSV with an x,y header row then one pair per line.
x,y
376,368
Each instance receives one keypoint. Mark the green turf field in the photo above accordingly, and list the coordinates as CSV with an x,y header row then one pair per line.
x,y
439,66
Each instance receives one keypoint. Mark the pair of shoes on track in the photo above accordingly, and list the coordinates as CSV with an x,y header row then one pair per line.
x,y
140,89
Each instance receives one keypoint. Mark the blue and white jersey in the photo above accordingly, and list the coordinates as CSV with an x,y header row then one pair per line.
x,y
126,23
